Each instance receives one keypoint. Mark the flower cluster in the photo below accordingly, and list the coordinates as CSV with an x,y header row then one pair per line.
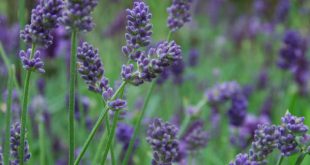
x,y
242,159
222,92
151,62
44,18
238,110
78,14
163,139
32,63
196,138
179,14
292,127
282,10
288,138
139,28
92,71
292,56
15,144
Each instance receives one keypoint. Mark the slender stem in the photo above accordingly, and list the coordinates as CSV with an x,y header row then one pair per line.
x,y
280,160
72,95
97,157
97,124
42,141
6,153
300,159
111,135
21,18
184,124
24,111
138,124
169,35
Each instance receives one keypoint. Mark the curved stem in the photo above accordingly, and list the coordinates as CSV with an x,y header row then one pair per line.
x,y
300,159
111,135
72,95
280,160
138,124
24,111
97,124
6,153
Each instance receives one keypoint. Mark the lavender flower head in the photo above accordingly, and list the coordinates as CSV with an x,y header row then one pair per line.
x,y
117,104
139,28
265,141
196,139
78,14
44,18
90,66
179,14
222,92
32,63
282,10
238,110
163,139
15,144
294,124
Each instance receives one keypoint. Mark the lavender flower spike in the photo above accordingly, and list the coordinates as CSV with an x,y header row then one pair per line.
x,y
117,104
90,66
163,139
265,141
44,18
78,14
32,63
15,144
179,14
243,159
294,124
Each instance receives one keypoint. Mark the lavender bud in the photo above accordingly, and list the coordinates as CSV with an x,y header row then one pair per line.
x,y
90,66
139,28
237,112
243,159
15,144
265,140
179,14
282,10
31,63
117,104
163,139
294,124
196,139
193,57
287,143
78,14
222,92
44,18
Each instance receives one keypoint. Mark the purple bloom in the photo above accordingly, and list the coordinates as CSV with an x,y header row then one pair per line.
x,y
44,18
193,57
177,70
294,124
1,157
139,28
196,138
287,143
265,141
222,92
117,104
163,139
238,110
90,66
9,35
129,75
32,63
282,10
243,159
15,144
78,14
179,14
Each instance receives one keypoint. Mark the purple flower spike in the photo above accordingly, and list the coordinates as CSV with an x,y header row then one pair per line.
x,y
44,18
287,143
32,63
131,76
78,14
179,14
238,111
196,139
163,139
222,92
265,141
90,66
139,28
15,144
117,104
294,124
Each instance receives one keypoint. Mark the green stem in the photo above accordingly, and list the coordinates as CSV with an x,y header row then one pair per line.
x,y
72,95
138,124
110,139
300,159
97,157
21,18
184,124
97,125
280,160
24,111
169,35
42,142
6,153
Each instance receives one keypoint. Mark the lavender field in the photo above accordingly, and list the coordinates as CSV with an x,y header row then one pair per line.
x,y
155,82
